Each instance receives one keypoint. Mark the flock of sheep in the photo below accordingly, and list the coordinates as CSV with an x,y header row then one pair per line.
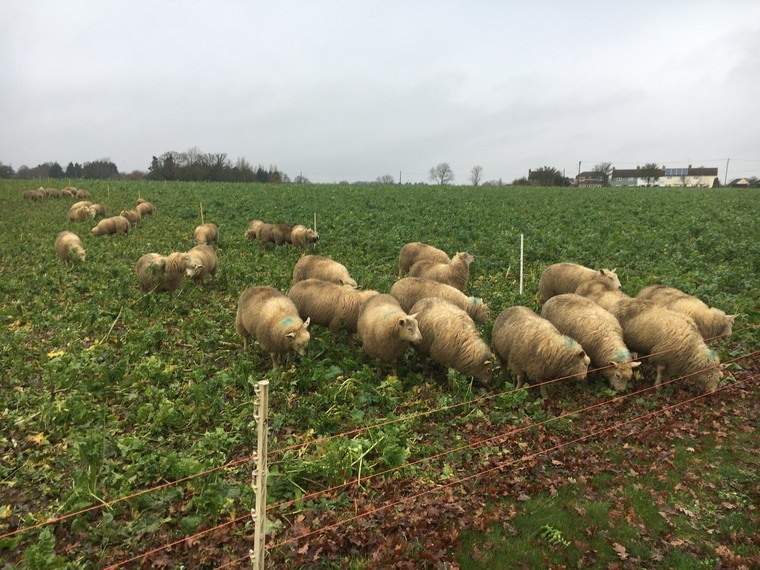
x,y
586,323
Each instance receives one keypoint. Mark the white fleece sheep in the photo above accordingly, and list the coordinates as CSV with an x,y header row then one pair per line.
x,y
603,293
162,273
534,349
416,251
112,225
409,290
145,208
329,304
455,273
566,277
598,332
670,339
318,267
386,330
253,229
450,337
206,233
205,262
132,216
69,247
98,210
270,317
81,213
711,322
301,236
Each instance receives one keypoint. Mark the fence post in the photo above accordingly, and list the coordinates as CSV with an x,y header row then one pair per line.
x,y
259,475
521,263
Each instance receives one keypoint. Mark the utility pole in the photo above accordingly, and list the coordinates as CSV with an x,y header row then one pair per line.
x,y
579,167
725,178
399,178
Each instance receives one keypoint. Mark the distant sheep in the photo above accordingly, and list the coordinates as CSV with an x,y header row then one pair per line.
x,y
329,304
269,317
455,273
81,213
162,273
145,208
318,267
253,229
301,236
98,210
603,293
671,340
81,193
80,204
450,337
534,349
112,225
598,332
416,251
205,262
566,277
409,290
206,233
69,247
132,216
386,330
711,322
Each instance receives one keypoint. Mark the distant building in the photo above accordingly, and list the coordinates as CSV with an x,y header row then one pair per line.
x,y
630,178
690,177
740,183
590,179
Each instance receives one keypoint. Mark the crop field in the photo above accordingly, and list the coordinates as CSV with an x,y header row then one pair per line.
x,y
106,392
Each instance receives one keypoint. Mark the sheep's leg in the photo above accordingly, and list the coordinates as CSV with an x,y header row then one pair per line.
x,y
660,376
544,392
520,380
275,360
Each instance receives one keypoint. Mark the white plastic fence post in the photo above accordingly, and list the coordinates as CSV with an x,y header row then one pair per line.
x,y
521,263
259,476
315,222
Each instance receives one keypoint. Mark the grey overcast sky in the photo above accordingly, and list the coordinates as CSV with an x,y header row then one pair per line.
x,y
352,90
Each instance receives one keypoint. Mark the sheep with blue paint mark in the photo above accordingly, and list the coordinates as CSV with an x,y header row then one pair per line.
x,y
598,332
270,318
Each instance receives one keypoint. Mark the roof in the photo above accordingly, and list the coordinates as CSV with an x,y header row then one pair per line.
x,y
630,173
702,171
594,175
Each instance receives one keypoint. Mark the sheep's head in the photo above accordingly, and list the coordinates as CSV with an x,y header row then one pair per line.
x,y
298,339
464,257
619,373
193,266
609,276
409,329
77,254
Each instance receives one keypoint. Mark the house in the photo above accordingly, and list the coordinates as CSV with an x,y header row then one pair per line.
x,y
589,179
631,178
740,183
690,177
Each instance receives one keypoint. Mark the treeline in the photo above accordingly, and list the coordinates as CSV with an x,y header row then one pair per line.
x,y
97,169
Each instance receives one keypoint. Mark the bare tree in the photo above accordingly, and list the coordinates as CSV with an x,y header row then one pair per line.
x,y
605,169
442,174
386,179
476,174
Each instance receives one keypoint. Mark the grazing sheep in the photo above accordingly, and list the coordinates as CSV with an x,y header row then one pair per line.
x,y
80,204
81,193
450,337
711,322
206,233
81,213
318,267
98,210
68,193
566,277
34,195
205,262
329,304
455,273
132,216
386,330
301,236
598,332
112,225
162,273
268,316
416,251
69,247
253,229
534,348
52,192
671,340
145,208
603,293
409,290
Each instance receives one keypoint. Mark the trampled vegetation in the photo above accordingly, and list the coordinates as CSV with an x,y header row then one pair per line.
x,y
107,392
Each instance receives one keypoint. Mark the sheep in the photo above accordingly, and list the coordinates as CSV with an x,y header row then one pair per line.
x,y
271,318
253,229
455,273
145,208
329,304
711,322
409,290
205,263
67,192
318,267
163,273
69,247
385,330
80,204
82,193
52,192
112,225
98,210
206,233
671,340
81,213
132,216
598,332
450,337
603,293
417,251
301,236
532,347
566,277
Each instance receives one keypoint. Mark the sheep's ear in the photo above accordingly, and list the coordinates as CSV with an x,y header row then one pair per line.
x,y
582,354
401,321
306,322
615,364
290,335
414,316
